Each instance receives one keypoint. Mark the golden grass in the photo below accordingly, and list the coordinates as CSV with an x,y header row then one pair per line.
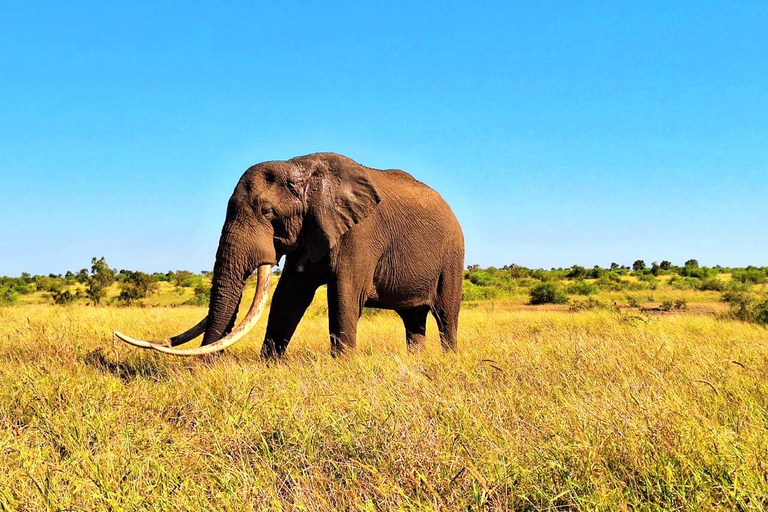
x,y
538,410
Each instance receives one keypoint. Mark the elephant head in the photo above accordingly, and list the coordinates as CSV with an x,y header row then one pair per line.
x,y
303,204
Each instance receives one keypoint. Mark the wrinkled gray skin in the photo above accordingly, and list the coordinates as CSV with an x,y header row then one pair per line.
x,y
376,238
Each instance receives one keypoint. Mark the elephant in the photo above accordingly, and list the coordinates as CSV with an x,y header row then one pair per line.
x,y
376,238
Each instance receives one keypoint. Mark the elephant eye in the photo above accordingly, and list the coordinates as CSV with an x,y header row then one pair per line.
x,y
267,211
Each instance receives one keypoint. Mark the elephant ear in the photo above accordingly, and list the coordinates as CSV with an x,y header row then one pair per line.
x,y
341,195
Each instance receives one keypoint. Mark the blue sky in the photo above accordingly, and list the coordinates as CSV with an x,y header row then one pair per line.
x,y
560,132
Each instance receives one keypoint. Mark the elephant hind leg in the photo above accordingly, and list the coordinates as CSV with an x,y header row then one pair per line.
x,y
415,321
445,308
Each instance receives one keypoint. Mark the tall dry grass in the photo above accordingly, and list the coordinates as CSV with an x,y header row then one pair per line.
x,y
538,410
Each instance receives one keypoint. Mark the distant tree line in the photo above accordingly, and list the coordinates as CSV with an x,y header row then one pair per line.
x,y
92,284
745,291
559,285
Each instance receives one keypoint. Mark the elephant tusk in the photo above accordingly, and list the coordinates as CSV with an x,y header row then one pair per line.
x,y
250,320
179,339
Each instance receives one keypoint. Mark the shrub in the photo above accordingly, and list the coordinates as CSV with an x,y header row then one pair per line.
x,y
582,288
750,275
180,277
685,283
760,312
135,286
632,302
595,272
692,269
471,291
95,292
482,278
64,298
711,284
611,282
547,293
202,295
747,307
8,296
191,281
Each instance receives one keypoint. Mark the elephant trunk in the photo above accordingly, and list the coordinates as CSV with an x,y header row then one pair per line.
x,y
232,268
226,292
237,257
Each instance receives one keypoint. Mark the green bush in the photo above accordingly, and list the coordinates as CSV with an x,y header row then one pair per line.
x,y
750,275
471,291
8,296
685,283
747,307
135,286
186,278
582,288
547,293
711,284
760,312
611,282
64,297
482,279
692,269
202,295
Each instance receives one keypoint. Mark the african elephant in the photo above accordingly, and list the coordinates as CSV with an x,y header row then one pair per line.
x,y
377,238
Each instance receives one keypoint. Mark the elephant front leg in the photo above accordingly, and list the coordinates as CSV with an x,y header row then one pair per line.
x,y
293,295
345,305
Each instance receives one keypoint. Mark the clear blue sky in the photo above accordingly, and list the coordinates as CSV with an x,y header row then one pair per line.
x,y
559,132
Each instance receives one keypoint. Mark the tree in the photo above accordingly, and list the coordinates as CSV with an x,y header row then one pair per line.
x,y
65,297
577,272
101,277
135,286
615,266
638,266
665,265
82,276
547,293
183,278
692,264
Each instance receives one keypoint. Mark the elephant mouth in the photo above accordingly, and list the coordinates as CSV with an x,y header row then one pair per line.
x,y
254,313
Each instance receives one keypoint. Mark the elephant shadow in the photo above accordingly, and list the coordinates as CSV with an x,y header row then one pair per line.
x,y
126,371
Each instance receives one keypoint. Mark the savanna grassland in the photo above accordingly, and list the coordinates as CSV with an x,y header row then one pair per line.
x,y
636,394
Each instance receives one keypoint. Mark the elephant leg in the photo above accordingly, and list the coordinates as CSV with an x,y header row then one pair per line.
x,y
292,297
415,321
446,307
345,305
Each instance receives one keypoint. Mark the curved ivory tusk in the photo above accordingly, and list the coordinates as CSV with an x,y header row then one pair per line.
x,y
257,307
179,339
